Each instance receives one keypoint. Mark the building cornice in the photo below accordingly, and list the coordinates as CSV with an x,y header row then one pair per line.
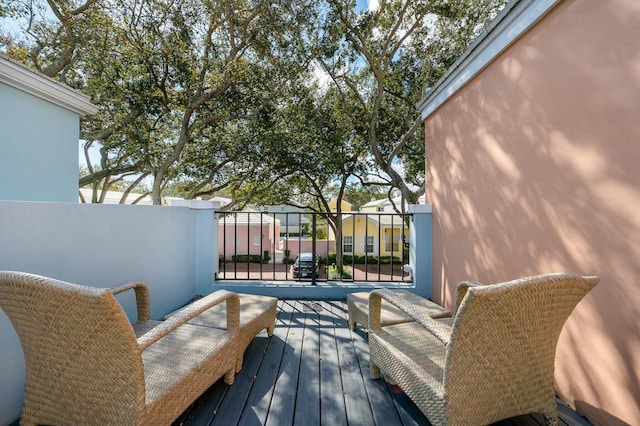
x,y
517,17
23,78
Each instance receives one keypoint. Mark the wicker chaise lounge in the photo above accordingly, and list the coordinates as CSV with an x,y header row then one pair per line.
x,y
358,308
493,360
86,366
257,313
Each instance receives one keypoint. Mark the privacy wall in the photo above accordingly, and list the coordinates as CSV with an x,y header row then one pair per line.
x,y
102,246
533,167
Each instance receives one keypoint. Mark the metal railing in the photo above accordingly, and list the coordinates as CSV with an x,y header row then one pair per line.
x,y
264,246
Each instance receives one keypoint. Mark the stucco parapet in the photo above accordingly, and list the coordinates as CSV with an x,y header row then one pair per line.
x,y
517,17
420,208
200,205
23,78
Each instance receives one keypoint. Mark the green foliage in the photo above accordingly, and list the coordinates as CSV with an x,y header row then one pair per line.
x,y
321,234
335,273
348,259
252,258
288,261
186,89
380,61
208,96
359,195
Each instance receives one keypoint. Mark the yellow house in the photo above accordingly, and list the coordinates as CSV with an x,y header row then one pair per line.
x,y
345,206
374,234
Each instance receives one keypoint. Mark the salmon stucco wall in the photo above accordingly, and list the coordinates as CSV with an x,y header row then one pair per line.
x,y
534,167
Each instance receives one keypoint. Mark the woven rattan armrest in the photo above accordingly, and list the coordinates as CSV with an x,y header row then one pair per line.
x,y
461,290
143,300
439,330
193,310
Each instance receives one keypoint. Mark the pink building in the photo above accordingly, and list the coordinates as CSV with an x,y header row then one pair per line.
x,y
533,151
296,246
245,233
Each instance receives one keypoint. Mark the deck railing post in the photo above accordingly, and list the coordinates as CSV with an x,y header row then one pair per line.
x,y
420,249
206,250
313,249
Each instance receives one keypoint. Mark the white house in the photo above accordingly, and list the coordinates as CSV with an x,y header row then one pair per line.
x,y
291,218
115,197
384,205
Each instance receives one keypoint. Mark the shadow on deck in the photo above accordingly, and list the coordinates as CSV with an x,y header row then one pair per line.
x,y
315,371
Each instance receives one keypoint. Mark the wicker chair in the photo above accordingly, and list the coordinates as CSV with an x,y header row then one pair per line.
x,y
85,365
493,360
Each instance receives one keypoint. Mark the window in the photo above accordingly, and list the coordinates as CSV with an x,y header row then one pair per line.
x,y
347,244
370,242
393,244
256,239
236,240
388,244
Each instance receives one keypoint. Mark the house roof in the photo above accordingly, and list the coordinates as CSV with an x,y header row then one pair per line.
x,y
250,217
277,208
221,201
212,203
517,17
114,197
376,203
380,219
385,202
21,77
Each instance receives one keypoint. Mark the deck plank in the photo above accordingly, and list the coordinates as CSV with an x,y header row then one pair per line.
x,y
307,401
332,406
201,413
259,400
315,371
282,409
409,414
381,403
235,398
356,402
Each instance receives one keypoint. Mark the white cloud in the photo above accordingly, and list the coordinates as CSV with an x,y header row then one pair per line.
x,y
321,76
373,5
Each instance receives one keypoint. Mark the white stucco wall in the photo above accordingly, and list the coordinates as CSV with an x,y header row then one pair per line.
x,y
38,148
102,246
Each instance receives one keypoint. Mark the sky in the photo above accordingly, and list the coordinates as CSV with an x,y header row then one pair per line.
x,y
94,154
370,4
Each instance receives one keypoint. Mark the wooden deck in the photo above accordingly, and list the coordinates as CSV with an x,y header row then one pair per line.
x,y
315,371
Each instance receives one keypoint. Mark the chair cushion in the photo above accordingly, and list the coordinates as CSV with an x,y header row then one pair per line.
x,y
171,358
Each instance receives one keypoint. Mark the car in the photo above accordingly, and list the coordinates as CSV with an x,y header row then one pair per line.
x,y
305,266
